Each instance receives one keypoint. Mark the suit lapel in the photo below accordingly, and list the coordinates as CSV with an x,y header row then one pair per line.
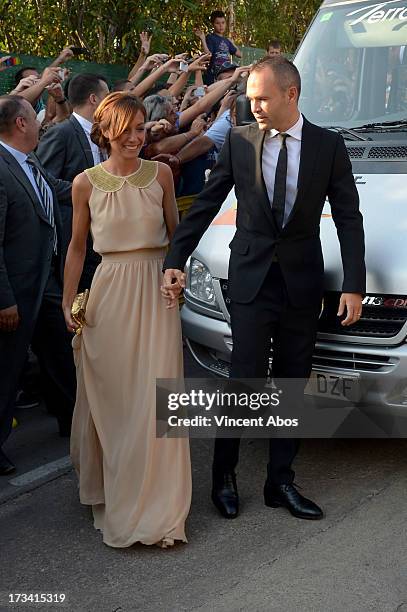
x,y
83,141
257,142
22,178
310,143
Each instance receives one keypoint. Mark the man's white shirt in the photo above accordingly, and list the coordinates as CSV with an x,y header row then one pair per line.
x,y
87,126
271,150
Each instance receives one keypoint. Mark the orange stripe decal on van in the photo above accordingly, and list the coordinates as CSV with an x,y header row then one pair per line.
x,y
226,218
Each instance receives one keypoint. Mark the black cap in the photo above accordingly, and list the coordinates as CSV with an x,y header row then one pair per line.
x,y
227,67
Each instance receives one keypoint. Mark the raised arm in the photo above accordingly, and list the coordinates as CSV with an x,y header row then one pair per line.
x,y
200,34
171,65
34,91
65,55
199,64
145,40
205,104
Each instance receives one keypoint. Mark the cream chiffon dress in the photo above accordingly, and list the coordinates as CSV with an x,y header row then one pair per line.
x,y
139,486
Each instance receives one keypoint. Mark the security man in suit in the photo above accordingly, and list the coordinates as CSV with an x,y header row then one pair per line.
x,y
31,269
66,150
282,168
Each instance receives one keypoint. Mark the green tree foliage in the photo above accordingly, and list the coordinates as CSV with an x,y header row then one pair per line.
x,y
109,28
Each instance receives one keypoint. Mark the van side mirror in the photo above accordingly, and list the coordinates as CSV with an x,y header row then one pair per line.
x,y
244,115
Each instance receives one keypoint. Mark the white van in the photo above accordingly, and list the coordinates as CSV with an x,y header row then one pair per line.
x,y
353,64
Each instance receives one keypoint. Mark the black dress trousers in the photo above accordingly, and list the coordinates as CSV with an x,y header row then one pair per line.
x,y
293,331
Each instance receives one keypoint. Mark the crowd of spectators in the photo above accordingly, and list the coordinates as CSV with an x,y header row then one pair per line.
x,y
190,104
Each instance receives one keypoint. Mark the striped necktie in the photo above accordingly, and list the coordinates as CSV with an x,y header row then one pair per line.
x,y
46,199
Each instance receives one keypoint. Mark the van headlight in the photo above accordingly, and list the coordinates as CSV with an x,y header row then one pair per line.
x,y
200,284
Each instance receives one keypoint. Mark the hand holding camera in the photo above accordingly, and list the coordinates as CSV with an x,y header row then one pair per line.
x,y
52,74
200,63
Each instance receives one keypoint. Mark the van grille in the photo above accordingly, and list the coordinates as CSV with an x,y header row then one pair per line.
x,y
327,359
376,321
356,152
387,152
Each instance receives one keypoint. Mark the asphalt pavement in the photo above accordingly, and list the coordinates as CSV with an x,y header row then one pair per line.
x,y
354,560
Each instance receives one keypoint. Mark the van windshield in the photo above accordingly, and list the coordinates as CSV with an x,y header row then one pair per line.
x,y
353,64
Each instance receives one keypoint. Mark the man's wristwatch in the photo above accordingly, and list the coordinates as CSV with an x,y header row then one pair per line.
x,y
62,101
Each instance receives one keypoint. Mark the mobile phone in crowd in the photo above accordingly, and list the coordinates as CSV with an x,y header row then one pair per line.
x,y
183,66
79,50
200,92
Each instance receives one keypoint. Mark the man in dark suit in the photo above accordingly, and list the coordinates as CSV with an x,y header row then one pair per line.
x,y
30,272
66,150
282,168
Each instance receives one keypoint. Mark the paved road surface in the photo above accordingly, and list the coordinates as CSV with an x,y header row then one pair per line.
x,y
355,560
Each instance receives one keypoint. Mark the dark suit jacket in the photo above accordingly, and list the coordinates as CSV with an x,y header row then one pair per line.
x,y
65,152
26,237
325,170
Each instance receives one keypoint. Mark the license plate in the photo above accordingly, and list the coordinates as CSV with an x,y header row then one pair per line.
x,y
334,386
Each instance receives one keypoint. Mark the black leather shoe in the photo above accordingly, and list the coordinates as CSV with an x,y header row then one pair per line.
x,y
224,494
287,496
6,467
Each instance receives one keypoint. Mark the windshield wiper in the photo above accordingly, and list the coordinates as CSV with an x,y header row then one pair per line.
x,y
344,130
382,125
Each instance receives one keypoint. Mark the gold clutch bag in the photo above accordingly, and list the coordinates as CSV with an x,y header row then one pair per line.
x,y
78,309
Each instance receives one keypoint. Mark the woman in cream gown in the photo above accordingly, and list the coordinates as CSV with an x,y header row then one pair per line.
x,y
139,486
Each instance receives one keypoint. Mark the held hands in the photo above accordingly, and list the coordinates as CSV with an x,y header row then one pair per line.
x,y
173,284
9,319
352,302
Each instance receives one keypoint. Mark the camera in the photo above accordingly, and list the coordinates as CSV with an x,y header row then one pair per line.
x,y
183,66
79,50
199,92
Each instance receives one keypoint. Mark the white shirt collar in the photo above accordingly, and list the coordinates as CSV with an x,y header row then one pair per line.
x,y
18,155
85,124
295,131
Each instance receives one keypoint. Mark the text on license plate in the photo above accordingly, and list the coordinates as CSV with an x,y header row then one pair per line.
x,y
334,386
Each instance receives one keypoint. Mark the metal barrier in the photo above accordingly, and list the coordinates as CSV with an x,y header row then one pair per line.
x,y
184,203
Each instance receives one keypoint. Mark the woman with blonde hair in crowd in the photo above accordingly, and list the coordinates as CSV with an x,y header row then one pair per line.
x,y
139,486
